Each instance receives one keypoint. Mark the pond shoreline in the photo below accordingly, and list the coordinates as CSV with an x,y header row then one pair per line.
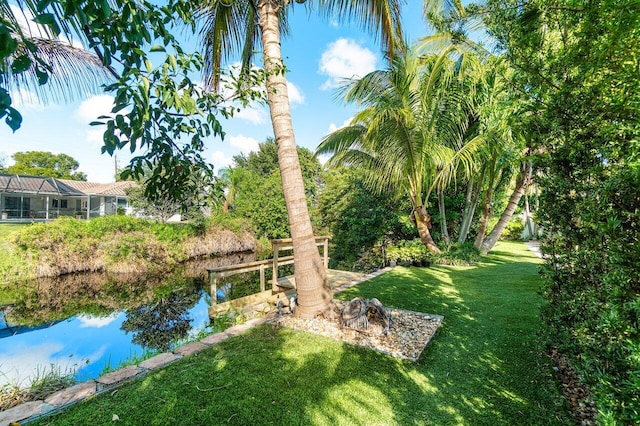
x,y
114,245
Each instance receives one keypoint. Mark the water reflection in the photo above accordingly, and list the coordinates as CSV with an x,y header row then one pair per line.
x,y
156,326
86,322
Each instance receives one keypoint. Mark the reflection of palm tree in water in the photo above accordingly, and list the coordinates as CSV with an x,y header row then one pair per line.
x,y
160,324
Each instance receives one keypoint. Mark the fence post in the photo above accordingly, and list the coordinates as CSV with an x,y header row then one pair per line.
x,y
262,285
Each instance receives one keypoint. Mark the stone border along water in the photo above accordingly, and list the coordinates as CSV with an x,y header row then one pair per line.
x,y
33,410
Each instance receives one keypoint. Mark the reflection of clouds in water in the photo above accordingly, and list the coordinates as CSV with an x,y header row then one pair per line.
x,y
87,321
20,365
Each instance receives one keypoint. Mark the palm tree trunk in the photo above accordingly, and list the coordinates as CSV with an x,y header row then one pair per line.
x,y
311,283
486,207
471,201
423,223
496,232
484,220
443,218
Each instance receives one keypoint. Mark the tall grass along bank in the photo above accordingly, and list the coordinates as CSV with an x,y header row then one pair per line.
x,y
114,244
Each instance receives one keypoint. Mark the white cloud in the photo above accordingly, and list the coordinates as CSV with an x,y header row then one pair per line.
x,y
345,58
88,321
333,127
254,114
90,109
220,160
323,158
22,366
27,100
295,94
244,143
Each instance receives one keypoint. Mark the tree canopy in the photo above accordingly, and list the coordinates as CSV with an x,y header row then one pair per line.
x,y
46,164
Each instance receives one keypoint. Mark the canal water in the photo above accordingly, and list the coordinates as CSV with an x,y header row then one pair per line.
x,y
85,324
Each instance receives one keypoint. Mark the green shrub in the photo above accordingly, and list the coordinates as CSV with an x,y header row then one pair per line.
x,y
408,252
458,255
514,229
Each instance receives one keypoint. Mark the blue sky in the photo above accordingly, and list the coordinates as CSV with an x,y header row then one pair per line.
x,y
318,53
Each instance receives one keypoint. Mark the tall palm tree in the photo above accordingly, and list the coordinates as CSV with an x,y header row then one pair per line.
x,y
404,137
232,27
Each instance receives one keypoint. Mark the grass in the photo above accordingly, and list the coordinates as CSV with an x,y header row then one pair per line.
x,y
484,366
10,260
46,382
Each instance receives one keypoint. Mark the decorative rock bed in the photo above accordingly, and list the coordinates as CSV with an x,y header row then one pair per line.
x,y
408,335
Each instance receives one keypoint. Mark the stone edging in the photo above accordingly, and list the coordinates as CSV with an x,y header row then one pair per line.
x,y
33,410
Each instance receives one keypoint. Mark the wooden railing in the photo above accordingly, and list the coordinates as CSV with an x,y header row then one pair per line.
x,y
215,274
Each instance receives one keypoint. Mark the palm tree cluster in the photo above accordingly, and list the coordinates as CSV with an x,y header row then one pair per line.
x,y
426,122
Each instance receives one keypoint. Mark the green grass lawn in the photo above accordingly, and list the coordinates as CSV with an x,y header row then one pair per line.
x,y
483,367
8,259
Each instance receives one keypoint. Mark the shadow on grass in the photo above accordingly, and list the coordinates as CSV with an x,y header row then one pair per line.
x,y
483,366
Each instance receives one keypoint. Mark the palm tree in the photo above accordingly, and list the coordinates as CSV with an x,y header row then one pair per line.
x,y
232,27
36,55
404,137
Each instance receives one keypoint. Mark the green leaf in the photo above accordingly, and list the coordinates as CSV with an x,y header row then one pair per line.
x,y
158,48
42,5
20,64
49,20
43,76
14,119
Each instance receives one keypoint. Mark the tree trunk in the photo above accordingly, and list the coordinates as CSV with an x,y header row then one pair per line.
x,y
496,232
423,223
471,202
311,278
443,218
486,207
527,217
484,220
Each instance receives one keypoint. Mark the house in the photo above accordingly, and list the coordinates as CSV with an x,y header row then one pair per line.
x,y
32,198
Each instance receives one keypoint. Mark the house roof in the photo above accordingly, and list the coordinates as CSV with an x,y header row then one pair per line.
x,y
53,186
91,188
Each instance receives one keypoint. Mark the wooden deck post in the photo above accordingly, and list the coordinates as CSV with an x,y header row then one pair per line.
x,y
276,250
325,252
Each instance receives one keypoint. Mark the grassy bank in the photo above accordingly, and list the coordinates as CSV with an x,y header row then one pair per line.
x,y
484,366
118,244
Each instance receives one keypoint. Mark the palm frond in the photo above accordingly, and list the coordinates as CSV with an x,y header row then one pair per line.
x,y
382,18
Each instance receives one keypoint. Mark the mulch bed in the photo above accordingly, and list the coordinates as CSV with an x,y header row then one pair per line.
x,y
577,395
408,335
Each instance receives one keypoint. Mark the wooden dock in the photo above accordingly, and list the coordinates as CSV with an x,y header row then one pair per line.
x,y
265,301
